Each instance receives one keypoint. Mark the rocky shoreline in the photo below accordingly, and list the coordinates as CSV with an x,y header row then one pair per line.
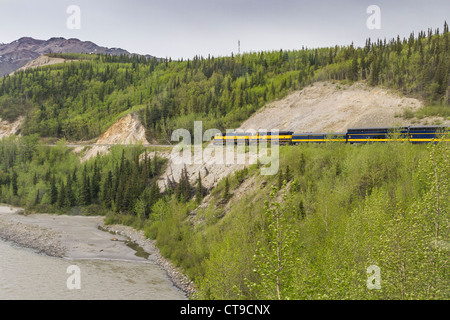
x,y
180,280
42,240
45,236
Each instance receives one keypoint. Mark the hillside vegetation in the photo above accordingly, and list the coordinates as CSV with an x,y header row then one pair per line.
x,y
312,231
55,180
81,99
309,232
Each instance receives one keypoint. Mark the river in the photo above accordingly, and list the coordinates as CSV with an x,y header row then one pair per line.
x,y
27,275
95,267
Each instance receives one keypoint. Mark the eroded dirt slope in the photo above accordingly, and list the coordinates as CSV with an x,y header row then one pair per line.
x,y
127,130
328,107
40,62
7,128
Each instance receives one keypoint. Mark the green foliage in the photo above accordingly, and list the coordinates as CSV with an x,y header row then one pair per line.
x,y
183,190
226,192
53,179
200,189
433,111
274,259
347,209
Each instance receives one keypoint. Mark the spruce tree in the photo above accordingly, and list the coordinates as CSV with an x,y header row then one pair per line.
x,y
441,78
183,189
96,180
226,192
374,72
155,165
301,209
88,191
85,192
288,175
53,191
355,68
37,199
62,196
14,183
199,194
47,176
155,193
280,179
74,175
107,190
127,201
122,162
70,195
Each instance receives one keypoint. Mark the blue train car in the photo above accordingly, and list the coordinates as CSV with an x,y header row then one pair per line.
x,y
427,134
282,137
366,135
337,137
298,138
218,139
231,138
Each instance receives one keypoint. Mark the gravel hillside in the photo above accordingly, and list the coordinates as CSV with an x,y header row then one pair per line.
x,y
127,130
328,107
8,128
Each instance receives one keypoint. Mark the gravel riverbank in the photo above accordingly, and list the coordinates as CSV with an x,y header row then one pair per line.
x,y
178,278
83,237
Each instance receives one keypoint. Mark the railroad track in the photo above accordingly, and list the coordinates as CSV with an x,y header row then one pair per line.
x,y
70,145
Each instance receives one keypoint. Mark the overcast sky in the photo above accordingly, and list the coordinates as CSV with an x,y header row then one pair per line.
x,y
184,28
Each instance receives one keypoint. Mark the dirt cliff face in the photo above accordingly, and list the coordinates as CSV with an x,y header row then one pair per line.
x,y
7,129
213,163
327,107
127,130
40,62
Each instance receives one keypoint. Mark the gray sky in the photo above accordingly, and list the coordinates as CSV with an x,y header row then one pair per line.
x,y
184,28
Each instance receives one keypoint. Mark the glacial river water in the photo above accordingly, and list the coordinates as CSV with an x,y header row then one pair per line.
x,y
27,275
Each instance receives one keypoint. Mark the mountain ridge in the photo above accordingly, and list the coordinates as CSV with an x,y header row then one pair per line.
x,y
18,53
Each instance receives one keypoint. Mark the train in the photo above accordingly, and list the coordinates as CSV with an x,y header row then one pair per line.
x,y
413,134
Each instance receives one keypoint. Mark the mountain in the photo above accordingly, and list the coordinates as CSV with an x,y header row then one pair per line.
x,y
18,53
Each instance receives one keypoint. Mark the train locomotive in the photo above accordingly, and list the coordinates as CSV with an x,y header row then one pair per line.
x,y
413,134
